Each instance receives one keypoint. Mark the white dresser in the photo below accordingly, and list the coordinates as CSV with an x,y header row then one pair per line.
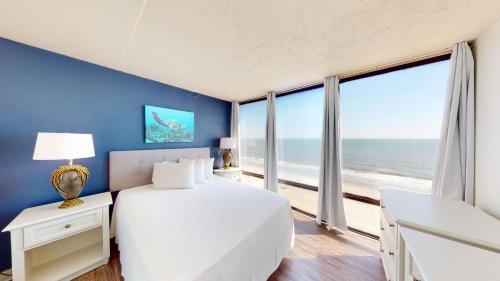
x,y
433,258
388,243
446,218
51,244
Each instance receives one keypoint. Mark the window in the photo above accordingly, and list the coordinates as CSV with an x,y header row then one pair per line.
x,y
299,120
390,129
252,135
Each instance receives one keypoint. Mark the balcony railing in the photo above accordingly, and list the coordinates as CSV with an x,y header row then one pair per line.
x,y
361,211
347,195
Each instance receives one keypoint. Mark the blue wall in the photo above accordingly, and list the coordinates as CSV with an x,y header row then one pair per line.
x,y
43,91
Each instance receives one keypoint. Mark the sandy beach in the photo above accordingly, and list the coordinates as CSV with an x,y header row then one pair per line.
x,y
359,215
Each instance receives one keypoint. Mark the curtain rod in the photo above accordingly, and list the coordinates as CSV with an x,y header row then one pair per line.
x,y
396,64
284,91
358,73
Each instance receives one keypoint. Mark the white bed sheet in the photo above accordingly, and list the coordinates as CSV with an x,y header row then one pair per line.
x,y
218,231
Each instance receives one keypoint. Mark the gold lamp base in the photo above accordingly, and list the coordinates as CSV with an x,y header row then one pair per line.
x,y
71,203
69,181
227,157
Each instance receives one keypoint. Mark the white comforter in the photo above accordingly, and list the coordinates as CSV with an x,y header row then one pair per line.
x,y
218,231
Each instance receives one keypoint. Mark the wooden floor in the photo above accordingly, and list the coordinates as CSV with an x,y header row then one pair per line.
x,y
318,255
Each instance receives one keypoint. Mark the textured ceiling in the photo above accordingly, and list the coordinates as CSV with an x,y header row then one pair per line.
x,y
238,49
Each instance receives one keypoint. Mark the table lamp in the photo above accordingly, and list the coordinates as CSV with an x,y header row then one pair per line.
x,y
227,144
70,179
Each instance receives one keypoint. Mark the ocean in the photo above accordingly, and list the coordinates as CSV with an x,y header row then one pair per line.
x,y
399,163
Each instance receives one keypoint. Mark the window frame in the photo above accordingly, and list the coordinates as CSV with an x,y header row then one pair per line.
x,y
346,195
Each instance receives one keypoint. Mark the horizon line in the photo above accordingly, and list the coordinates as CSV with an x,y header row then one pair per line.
x,y
355,138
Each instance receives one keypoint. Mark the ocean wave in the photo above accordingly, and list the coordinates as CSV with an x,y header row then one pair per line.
x,y
388,180
402,157
308,174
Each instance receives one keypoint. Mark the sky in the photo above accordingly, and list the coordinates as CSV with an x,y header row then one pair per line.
x,y
404,104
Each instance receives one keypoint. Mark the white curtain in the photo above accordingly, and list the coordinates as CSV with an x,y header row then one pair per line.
x,y
330,201
271,149
454,176
235,133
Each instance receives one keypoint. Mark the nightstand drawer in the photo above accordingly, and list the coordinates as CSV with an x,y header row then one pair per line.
x,y
236,177
45,232
231,173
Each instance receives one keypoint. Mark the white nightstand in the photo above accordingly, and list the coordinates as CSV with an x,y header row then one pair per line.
x,y
231,173
49,243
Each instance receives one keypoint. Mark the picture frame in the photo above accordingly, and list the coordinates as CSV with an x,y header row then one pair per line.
x,y
165,125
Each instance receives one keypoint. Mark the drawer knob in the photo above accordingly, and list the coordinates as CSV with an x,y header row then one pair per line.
x,y
391,253
67,226
391,225
381,250
382,228
382,206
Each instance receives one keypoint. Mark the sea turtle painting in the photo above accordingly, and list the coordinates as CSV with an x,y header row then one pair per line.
x,y
168,125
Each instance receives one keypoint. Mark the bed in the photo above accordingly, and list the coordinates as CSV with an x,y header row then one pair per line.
x,y
219,231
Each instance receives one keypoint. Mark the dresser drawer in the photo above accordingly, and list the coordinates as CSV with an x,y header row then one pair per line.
x,y
389,257
390,224
46,232
388,231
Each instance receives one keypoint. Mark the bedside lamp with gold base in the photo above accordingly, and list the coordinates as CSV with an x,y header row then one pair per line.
x,y
70,179
227,144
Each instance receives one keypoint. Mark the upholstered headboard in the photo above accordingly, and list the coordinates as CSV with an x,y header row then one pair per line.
x,y
134,168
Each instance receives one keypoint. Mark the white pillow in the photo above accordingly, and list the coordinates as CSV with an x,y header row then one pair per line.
x,y
199,169
173,175
209,168
154,170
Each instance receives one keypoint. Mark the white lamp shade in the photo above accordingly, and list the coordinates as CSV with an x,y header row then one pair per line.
x,y
58,146
227,143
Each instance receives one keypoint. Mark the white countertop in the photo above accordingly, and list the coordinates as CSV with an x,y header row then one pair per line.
x,y
435,256
449,218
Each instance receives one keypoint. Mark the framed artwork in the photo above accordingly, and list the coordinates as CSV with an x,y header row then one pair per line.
x,y
168,125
